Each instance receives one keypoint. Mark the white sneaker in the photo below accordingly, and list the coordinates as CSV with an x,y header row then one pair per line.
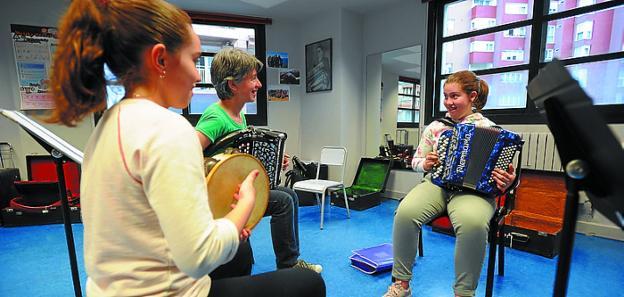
x,y
314,267
396,290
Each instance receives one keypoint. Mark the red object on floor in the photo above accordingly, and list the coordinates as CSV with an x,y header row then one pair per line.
x,y
43,168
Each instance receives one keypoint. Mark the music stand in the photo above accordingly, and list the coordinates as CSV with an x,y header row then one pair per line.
x,y
61,151
593,158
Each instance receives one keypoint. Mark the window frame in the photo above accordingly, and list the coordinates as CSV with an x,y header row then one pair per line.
x,y
259,26
415,100
613,113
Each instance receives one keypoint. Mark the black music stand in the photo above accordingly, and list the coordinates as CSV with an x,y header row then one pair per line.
x,y
593,158
62,152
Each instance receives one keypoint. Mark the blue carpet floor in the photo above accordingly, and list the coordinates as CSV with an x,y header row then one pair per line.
x,y
34,261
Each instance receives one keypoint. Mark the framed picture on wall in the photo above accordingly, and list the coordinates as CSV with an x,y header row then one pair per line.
x,y
318,57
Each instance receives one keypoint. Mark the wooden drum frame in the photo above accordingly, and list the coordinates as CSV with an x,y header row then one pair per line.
x,y
224,173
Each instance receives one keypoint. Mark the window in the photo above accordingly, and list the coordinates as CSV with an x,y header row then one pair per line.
x,y
516,8
583,35
581,51
484,3
408,113
477,66
554,6
215,33
584,30
550,34
585,2
517,32
512,55
482,46
548,54
482,23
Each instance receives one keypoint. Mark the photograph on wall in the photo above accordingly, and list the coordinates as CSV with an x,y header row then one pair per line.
x,y
34,48
289,77
318,57
277,59
278,93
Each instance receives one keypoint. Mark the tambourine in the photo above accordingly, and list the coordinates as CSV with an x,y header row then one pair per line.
x,y
224,173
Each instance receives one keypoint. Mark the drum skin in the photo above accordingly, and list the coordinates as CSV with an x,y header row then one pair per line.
x,y
223,179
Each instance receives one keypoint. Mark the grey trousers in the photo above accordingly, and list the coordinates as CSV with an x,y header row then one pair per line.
x,y
470,215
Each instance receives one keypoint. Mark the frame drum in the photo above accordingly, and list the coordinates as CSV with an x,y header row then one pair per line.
x,y
223,179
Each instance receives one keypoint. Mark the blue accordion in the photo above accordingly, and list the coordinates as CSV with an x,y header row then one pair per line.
x,y
468,154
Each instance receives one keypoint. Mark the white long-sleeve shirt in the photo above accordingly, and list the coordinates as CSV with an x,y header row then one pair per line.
x,y
148,229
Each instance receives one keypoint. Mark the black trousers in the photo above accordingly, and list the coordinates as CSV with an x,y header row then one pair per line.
x,y
233,279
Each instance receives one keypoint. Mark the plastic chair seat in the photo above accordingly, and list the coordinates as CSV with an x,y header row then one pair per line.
x,y
316,185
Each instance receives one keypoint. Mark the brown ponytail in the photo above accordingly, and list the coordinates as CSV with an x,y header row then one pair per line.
x,y
469,83
93,33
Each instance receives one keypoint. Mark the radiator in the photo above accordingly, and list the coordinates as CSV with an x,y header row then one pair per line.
x,y
539,152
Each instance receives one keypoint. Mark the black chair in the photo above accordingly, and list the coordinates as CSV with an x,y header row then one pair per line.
x,y
496,238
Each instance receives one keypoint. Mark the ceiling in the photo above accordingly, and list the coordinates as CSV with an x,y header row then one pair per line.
x,y
404,62
282,9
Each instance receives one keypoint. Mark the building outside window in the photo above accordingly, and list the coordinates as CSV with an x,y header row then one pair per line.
x,y
484,3
584,30
516,8
482,23
548,54
581,51
550,34
517,32
512,55
482,46
587,40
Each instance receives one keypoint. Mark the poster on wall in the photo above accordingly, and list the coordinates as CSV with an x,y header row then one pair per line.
x,y
277,59
34,48
318,57
278,93
289,77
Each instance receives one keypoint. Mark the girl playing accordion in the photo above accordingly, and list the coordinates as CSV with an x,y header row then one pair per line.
x,y
464,96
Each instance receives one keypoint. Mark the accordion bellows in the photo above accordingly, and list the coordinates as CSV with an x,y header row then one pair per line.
x,y
264,144
468,154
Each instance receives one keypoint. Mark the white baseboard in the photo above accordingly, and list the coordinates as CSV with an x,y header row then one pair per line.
x,y
599,230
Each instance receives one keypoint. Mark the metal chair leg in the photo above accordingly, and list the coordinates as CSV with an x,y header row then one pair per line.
x,y
344,194
322,209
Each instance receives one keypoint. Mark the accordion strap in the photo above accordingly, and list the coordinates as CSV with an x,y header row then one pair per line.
x,y
446,121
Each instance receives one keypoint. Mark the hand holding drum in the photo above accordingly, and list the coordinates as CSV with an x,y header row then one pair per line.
x,y
224,174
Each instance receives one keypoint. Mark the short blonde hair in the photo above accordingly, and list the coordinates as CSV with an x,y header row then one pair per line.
x,y
231,64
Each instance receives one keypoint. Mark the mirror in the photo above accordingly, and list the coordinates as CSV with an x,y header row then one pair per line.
x,y
393,81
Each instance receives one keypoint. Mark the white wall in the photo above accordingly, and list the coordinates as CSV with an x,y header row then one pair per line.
x,y
335,117
284,116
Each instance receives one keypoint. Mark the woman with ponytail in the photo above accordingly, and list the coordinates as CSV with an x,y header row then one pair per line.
x,y
464,96
148,228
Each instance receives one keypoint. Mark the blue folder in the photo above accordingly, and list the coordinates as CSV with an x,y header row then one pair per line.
x,y
373,259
